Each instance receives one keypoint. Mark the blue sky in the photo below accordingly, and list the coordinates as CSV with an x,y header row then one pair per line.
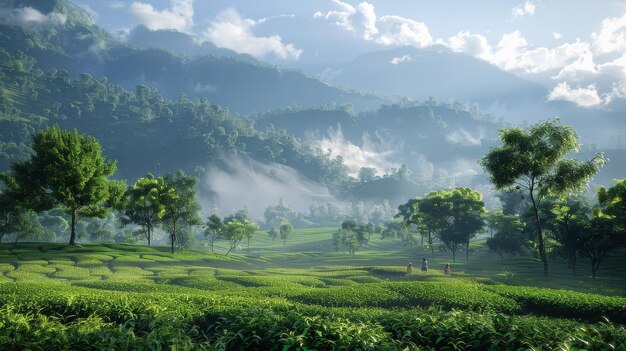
x,y
576,48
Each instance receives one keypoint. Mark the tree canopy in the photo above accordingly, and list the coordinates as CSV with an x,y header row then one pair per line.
x,y
66,169
533,161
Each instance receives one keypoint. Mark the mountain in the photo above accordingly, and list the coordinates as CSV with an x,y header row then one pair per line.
x,y
241,83
176,42
436,72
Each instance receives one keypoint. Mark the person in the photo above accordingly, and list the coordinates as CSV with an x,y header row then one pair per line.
x,y
409,269
446,269
424,265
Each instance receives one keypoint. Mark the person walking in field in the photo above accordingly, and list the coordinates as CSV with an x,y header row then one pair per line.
x,y
409,269
424,265
446,269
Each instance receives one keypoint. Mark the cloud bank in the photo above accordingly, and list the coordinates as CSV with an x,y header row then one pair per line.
x,y
179,16
385,30
230,30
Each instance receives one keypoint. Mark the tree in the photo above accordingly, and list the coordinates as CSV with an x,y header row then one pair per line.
x,y
533,162
463,210
598,241
396,228
181,208
66,169
509,237
431,213
213,230
351,235
607,227
285,232
235,231
144,204
613,204
568,223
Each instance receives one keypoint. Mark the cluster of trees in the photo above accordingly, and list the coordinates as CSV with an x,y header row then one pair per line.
x,y
232,228
452,216
68,171
541,211
352,235
532,162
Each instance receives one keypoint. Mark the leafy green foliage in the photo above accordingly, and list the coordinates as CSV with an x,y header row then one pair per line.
x,y
143,304
66,169
144,203
510,237
533,161
180,205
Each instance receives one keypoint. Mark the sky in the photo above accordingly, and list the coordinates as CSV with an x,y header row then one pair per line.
x,y
576,48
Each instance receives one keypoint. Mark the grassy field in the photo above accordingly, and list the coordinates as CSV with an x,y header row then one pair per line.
x,y
302,295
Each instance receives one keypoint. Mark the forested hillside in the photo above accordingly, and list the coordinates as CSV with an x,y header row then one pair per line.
x,y
240,82
141,129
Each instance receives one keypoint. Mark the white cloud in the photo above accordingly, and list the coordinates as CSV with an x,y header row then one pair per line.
x,y
615,68
340,17
618,91
396,30
582,69
178,16
612,35
117,5
368,16
585,97
472,44
527,8
557,35
402,59
512,53
229,30
384,30
466,138
30,16
375,155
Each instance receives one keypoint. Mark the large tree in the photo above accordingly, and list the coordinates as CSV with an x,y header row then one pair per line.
x,y
182,207
568,223
533,161
509,237
463,210
67,170
144,203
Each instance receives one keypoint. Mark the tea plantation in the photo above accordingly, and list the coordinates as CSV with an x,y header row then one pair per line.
x,y
115,296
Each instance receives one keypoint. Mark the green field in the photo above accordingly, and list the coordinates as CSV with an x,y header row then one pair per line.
x,y
304,295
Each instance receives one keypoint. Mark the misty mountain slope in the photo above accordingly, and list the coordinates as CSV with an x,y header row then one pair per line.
x,y
141,129
242,85
436,72
177,42
434,140
71,42
237,81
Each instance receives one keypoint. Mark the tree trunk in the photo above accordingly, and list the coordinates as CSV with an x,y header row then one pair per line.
x,y
149,230
430,242
593,270
542,247
73,231
173,236
453,252
467,251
